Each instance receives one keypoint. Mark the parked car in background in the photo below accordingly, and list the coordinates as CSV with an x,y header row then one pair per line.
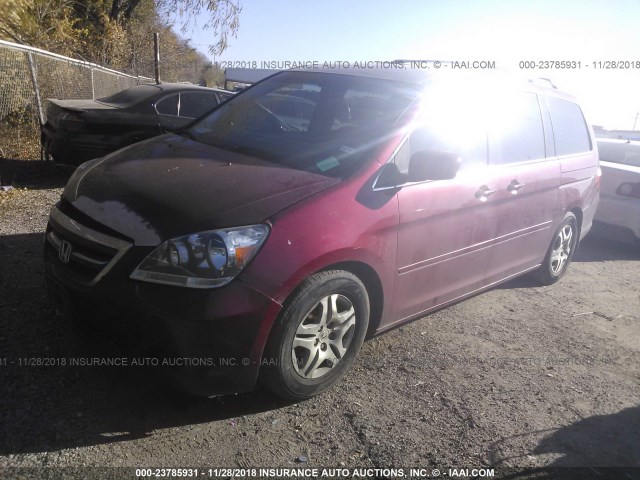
x,y
633,135
79,130
620,187
268,238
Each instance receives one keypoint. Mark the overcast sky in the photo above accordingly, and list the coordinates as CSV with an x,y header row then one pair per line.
x,y
504,31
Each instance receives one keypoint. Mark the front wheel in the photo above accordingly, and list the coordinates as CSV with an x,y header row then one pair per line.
x,y
560,252
317,336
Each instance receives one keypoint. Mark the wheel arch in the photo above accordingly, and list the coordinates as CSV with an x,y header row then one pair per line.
x,y
369,277
577,211
278,380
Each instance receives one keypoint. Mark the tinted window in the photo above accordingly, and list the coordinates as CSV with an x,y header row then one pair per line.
x,y
130,96
569,127
624,153
196,104
516,129
168,105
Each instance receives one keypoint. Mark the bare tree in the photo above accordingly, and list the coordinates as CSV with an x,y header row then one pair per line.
x,y
223,16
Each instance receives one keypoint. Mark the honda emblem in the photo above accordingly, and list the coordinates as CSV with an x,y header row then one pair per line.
x,y
64,254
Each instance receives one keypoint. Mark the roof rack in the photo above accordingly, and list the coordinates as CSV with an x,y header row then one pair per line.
x,y
538,80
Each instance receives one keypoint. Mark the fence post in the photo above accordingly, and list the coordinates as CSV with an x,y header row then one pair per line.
x,y
34,79
93,86
156,56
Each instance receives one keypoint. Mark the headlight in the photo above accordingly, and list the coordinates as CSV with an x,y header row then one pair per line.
x,y
202,260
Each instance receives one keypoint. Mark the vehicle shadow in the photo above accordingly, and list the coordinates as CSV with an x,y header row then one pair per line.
x,y
611,439
602,447
33,174
528,280
603,245
55,407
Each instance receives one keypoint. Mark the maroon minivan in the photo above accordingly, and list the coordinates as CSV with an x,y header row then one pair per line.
x,y
271,236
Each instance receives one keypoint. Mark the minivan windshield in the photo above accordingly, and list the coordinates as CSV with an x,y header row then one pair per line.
x,y
320,122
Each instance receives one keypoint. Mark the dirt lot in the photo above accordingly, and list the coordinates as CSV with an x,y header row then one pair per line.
x,y
520,376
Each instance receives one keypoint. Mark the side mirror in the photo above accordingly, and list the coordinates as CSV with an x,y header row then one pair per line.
x,y
430,165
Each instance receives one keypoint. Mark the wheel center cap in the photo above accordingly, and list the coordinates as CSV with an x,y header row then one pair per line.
x,y
323,335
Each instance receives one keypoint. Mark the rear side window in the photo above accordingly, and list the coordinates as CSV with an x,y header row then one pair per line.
x,y
168,105
516,129
569,127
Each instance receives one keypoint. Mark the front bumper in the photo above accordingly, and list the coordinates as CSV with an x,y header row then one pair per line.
x,y
205,342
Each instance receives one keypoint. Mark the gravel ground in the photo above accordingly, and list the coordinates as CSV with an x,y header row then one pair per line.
x,y
518,377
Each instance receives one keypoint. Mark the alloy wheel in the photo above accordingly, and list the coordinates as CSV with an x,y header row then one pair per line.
x,y
561,249
323,337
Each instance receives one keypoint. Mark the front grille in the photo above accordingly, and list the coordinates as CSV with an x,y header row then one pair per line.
x,y
69,210
84,254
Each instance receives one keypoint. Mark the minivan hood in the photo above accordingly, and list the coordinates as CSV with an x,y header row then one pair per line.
x,y
170,186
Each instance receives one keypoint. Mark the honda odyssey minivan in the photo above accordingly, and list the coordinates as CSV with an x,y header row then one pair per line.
x,y
270,237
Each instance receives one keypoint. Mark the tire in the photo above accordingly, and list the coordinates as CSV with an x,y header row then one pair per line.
x,y
317,336
560,252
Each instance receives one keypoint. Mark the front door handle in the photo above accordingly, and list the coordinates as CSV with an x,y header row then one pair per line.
x,y
514,186
484,192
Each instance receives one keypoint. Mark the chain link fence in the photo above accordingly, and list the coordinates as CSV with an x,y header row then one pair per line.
x,y
28,76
